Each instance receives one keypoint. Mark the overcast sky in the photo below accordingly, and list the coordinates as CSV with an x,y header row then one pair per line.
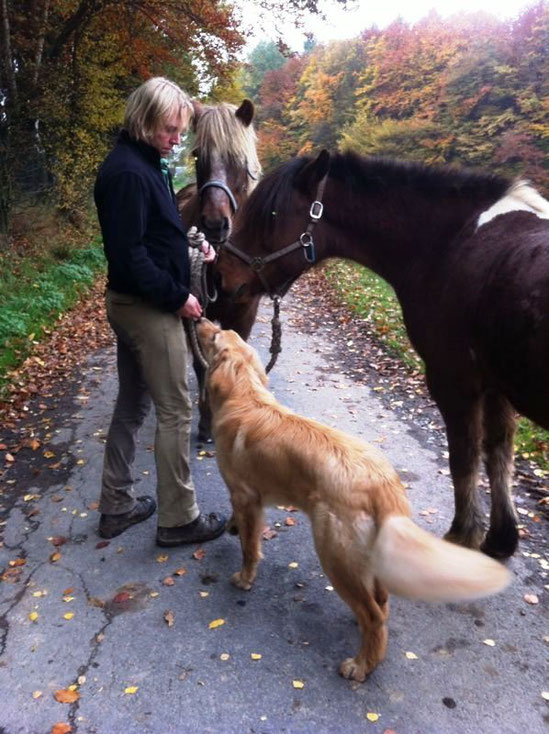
x,y
341,24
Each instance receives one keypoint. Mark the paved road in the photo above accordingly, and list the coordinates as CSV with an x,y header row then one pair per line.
x,y
450,668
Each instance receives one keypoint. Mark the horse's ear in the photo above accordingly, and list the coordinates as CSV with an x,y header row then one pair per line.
x,y
198,109
245,112
314,171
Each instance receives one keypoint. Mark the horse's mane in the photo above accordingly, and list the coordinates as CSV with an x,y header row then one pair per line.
x,y
218,130
374,173
369,175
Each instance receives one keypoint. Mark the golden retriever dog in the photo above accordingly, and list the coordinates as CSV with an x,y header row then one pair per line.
x,y
366,542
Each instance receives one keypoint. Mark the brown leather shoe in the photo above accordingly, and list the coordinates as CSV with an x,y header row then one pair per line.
x,y
112,525
205,527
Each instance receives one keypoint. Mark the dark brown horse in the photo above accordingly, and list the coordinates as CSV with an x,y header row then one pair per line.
x,y
468,257
227,170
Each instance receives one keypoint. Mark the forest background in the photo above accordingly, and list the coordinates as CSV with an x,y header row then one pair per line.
x,y
470,90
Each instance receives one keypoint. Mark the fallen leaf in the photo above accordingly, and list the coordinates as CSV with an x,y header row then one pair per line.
x,y
371,716
18,562
37,694
58,540
224,656
204,594
162,558
68,591
48,454
102,544
130,690
199,554
168,581
411,656
216,623
68,615
61,728
121,597
66,696
268,533
531,598
180,571
169,617
92,505
293,564
298,684
55,557
490,643
33,616
255,656
289,521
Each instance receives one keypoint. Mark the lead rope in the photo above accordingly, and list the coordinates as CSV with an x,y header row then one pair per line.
x,y
276,338
198,289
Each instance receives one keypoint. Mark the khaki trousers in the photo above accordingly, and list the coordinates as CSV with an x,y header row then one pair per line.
x,y
152,359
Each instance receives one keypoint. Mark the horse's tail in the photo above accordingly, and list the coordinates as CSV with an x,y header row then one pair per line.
x,y
414,564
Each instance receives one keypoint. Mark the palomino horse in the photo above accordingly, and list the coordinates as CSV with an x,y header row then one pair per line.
x,y
468,257
227,170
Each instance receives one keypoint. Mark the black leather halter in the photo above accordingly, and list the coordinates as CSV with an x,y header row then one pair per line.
x,y
305,240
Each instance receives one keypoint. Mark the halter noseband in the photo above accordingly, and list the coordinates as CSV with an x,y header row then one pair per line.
x,y
215,184
305,240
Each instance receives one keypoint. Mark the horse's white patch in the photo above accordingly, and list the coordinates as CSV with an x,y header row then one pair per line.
x,y
520,197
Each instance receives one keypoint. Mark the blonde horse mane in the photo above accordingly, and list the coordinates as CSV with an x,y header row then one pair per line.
x,y
218,130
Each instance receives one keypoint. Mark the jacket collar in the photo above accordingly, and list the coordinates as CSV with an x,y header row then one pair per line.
x,y
146,150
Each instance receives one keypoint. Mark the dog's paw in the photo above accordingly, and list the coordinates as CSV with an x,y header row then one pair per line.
x,y
353,670
239,581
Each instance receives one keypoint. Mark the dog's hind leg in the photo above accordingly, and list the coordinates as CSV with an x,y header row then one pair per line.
x,y
372,610
368,599
248,517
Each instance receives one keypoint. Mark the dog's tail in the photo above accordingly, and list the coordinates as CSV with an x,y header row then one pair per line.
x,y
414,564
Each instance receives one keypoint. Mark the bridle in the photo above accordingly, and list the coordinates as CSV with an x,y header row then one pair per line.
x,y
305,240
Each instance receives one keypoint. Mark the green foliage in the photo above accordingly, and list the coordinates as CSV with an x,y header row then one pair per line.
x,y
34,292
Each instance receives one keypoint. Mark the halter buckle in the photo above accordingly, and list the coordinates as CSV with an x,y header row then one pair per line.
x,y
316,210
257,264
308,245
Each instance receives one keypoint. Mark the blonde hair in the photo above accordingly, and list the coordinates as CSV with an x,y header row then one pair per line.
x,y
153,101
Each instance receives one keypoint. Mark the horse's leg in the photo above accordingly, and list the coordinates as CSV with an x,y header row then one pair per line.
x,y
499,430
463,418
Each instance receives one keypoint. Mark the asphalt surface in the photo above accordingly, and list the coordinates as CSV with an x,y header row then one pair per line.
x,y
140,650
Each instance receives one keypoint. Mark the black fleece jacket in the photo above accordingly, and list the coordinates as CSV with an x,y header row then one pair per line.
x,y
144,239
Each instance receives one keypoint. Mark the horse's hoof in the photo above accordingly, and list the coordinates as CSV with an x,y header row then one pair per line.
x,y
500,545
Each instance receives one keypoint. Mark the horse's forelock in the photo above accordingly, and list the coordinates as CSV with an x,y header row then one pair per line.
x,y
218,130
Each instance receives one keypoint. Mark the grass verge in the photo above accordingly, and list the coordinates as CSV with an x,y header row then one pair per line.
x,y
34,291
371,298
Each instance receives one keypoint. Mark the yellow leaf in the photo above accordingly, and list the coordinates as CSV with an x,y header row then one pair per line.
x,y
162,559
55,557
371,716
37,694
68,598
293,564
216,623
68,615
490,643
48,454
131,689
255,656
298,684
224,656
204,594
33,616
154,594
411,656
